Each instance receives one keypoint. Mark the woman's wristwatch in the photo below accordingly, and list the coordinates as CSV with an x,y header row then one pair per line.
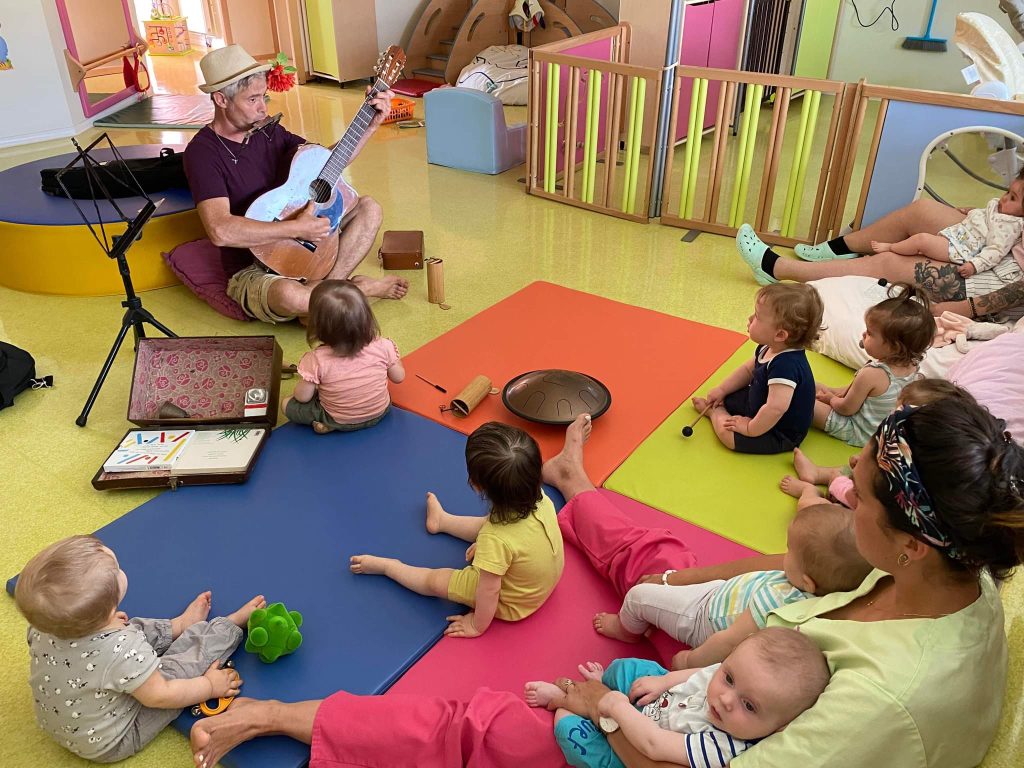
x,y
664,580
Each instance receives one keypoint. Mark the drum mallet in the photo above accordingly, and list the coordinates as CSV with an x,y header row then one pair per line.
x,y
688,429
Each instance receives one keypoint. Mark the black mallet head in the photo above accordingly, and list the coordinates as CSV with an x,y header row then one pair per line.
x,y
687,431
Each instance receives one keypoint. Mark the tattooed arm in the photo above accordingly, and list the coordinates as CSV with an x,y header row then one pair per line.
x,y
1005,298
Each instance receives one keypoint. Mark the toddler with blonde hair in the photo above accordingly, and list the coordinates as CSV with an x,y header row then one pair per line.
x,y
105,685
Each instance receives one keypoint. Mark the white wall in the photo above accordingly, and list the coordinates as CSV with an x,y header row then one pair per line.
x,y
876,53
38,90
32,94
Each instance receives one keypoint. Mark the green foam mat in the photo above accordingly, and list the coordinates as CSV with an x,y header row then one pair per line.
x,y
162,110
701,481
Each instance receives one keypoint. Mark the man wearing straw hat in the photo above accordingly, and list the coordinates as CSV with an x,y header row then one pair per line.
x,y
226,173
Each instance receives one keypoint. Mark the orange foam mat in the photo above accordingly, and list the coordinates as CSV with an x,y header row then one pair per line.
x,y
648,360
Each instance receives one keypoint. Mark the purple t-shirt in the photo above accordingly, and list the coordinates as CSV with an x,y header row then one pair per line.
x,y
262,164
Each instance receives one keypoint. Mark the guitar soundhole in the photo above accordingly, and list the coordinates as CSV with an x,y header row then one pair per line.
x,y
319,191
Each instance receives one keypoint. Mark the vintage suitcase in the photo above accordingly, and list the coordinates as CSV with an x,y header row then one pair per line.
x,y
203,383
402,250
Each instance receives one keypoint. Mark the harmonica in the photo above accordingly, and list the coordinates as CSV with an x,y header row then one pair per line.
x,y
262,125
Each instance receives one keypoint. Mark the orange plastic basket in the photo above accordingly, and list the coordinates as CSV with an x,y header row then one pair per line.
x,y
401,109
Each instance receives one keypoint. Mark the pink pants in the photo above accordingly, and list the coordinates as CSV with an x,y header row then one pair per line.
x,y
841,489
493,729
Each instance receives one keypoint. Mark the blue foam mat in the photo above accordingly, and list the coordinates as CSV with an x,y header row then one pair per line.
x,y
312,501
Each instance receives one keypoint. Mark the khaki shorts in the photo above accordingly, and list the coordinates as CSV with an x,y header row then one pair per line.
x,y
250,289
312,410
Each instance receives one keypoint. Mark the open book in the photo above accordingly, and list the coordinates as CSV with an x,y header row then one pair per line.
x,y
186,452
219,451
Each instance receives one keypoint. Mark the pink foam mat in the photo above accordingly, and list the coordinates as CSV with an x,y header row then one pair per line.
x,y
551,642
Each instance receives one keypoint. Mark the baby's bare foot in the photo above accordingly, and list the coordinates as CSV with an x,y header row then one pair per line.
x,y
435,514
369,564
810,472
196,611
541,693
608,624
591,670
794,487
877,246
241,616
700,403
320,428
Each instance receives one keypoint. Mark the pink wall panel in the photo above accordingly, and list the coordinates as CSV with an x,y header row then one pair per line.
x,y
599,50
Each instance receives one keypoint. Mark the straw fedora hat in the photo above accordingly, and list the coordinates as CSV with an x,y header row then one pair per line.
x,y
227,65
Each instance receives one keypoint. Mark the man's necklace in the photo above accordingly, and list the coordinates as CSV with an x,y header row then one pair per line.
x,y
227,149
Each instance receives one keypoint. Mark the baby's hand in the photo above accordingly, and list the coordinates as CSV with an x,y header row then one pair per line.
x,y
224,683
462,626
121,616
715,396
646,689
967,270
471,552
737,424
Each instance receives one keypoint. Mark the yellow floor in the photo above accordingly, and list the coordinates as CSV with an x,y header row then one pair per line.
x,y
494,240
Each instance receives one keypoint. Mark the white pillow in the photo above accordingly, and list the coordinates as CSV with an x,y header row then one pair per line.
x,y
846,299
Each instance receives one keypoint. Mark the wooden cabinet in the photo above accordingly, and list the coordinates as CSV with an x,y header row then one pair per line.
x,y
341,38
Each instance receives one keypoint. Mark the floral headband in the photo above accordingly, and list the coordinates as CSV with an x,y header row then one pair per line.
x,y
896,462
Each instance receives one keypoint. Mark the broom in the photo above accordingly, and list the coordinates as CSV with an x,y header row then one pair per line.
x,y
926,42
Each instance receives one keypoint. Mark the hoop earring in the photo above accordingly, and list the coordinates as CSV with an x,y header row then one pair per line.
x,y
903,559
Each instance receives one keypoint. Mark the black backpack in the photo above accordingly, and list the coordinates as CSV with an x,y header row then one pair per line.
x,y
17,373
153,174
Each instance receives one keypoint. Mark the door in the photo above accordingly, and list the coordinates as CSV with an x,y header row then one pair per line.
x,y
323,50
252,25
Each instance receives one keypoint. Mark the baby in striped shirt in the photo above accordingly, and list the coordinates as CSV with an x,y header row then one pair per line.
x,y
713,617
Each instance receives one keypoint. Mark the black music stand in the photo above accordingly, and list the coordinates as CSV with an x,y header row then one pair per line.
x,y
116,247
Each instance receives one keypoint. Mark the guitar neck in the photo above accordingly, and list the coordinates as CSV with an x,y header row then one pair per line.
x,y
346,147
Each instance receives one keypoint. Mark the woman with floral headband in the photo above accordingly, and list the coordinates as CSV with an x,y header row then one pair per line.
x,y
917,653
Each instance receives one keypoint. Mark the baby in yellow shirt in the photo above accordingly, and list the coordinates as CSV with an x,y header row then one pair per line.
x,y
516,555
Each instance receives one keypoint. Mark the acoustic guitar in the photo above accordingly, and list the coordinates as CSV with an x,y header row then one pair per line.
x,y
315,174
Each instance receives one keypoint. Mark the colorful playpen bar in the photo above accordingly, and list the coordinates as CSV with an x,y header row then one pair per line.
x,y
589,105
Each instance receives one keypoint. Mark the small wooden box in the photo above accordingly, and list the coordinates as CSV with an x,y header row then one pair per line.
x,y
207,377
402,250
168,37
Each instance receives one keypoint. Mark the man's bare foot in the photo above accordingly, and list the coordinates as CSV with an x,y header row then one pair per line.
x,y
877,246
390,287
369,565
435,513
608,624
569,462
214,737
591,670
241,616
196,611
541,693
810,472
794,487
320,428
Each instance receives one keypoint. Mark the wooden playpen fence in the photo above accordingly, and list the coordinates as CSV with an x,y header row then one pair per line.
x,y
794,177
584,112
732,157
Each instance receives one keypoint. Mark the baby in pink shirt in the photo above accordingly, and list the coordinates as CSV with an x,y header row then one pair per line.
x,y
345,377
